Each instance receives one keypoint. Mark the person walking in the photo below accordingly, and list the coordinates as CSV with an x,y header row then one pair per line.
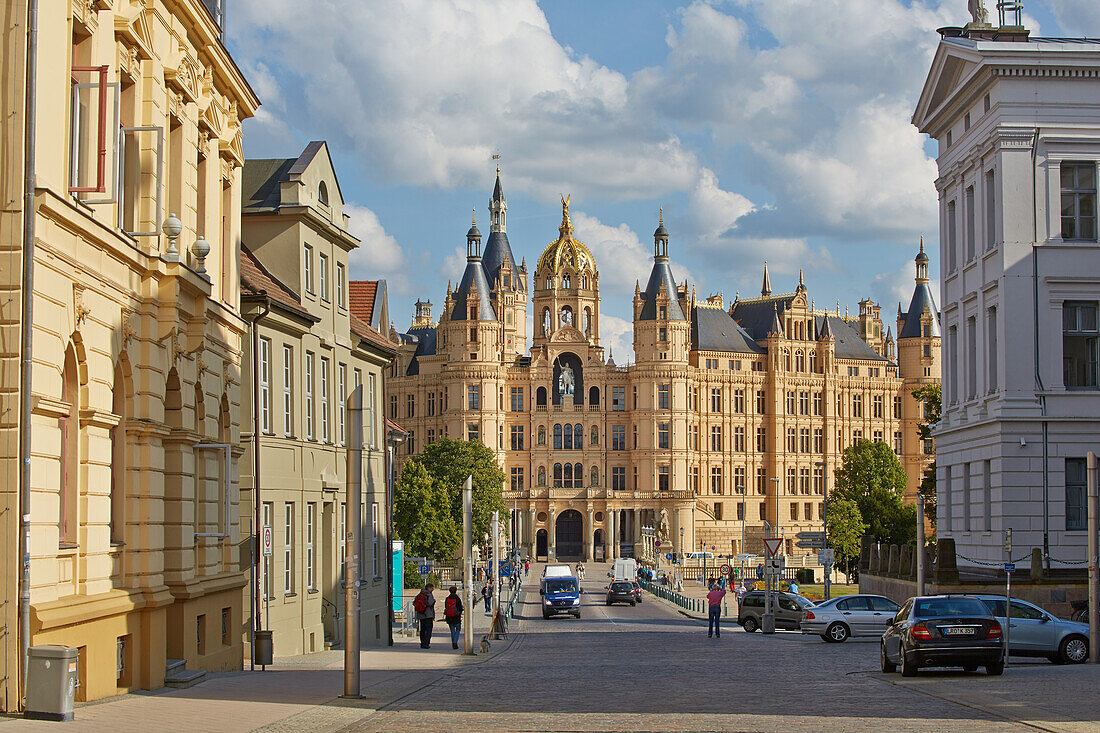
x,y
452,614
487,594
424,604
741,591
714,601
526,567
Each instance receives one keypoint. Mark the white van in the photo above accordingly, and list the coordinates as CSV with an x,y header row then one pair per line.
x,y
557,571
625,568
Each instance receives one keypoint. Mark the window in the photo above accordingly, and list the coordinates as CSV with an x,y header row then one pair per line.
x,y
991,348
817,404
309,395
370,430
761,402
716,400
618,399
618,478
971,358
311,511
517,437
288,392
718,510
792,477
473,397
288,549
794,511
307,268
876,406
410,405
618,437
634,429
567,442
951,393
790,403
990,210
662,435
578,436
739,401
968,202
472,431
804,440
1079,345
1079,201
804,484
341,277
662,478
662,334
951,238
819,480
517,478
558,444
857,405
819,440
393,406
761,481
897,407
517,399
763,512
662,397
716,479
324,399
265,385
431,404
803,403
265,566
322,280
716,438
792,440
761,440
342,399
897,442
375,554
739,439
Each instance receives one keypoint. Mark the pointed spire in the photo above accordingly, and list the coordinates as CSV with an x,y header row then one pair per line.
x,y
801,283
610,357
498,207
637,288
826,330
899,309
777,325
766,287
692,296
889,334
660,238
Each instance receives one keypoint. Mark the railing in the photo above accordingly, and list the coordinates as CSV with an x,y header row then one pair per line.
x,y
694,605
513,602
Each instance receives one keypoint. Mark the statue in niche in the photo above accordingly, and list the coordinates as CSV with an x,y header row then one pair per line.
x,y
664,533
978,12
565,380
546,322
566,316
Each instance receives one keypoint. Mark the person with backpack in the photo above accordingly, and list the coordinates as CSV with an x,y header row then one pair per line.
x,y
452,614
424,605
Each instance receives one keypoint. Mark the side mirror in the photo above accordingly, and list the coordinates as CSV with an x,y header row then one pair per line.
x,y
542,592
1046,619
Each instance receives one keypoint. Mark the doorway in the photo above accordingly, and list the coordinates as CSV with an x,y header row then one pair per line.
x,y
569,535
541,548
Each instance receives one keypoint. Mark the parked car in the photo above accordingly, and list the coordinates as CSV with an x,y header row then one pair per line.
x,y
1033,632
858,615
621,591
637,591
943,631
787,608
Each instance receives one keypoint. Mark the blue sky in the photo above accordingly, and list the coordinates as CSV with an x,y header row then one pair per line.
x,y
774,129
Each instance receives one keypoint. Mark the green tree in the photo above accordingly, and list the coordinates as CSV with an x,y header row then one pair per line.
x,y
449,462
873,478
422,514
845,528
930,396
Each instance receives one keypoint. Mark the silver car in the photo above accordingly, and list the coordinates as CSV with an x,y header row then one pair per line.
x,y
1036,633
858,615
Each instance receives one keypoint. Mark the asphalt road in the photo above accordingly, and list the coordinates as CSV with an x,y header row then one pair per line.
x,y
648,668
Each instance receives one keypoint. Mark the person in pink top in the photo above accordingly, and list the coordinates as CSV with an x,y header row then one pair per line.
x,y
714,601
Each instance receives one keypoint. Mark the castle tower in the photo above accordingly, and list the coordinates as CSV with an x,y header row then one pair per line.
x,y
471,327
662,330
567,287
507,279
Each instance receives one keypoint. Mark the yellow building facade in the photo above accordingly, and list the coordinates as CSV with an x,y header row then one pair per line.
x,y
732,414
137,341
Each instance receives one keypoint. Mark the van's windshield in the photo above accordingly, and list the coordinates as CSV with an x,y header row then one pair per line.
x,y
565,585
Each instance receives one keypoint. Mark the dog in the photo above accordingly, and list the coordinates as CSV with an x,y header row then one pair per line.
x,y
485,644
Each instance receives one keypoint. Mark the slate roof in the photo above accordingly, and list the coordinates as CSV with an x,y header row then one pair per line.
x,y
425,338
848,343
661,273
361,298
497,252
261,177
922,296
256,279
475,274
712,329
756,315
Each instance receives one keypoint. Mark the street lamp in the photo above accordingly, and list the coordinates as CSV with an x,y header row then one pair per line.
x,y
767,622
825,520
740,488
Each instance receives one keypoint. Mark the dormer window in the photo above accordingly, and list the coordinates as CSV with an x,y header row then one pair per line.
x,y
663,312
507,281
322,194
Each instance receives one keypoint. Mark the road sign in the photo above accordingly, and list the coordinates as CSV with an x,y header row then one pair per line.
x,y
811,544
776,564
745,557
668,555
657,544
425,569
725,569
267,541
826,556
772,545
810,535
1010,567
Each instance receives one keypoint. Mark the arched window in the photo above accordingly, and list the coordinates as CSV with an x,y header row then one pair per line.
x,y
542,435
565,282
584,282
70,449
568,480
567,316
595,440
578,475
540,396
594,396
578,436
119,403
786,361
813,361
322,194
546,322
549,283
542,475
595,481
568,437
557,475
557,437
587,321
799,361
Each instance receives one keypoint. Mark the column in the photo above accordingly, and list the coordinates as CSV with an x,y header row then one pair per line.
x,y
590,530
550,549
617,521
637,520
532,531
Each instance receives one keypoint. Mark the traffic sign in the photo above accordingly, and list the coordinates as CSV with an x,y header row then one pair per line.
x,y
725,569
772,545
1010,567
810,535
826,556
811,544
745,557
425,569
668,555
657,544
267,541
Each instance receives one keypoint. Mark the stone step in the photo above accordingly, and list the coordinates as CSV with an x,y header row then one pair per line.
x,y
173,664
183,678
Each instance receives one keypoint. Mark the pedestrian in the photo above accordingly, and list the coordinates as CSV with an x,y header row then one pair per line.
x,y
793,588
714,602
424,604
487,594
741,591
526,567
452,614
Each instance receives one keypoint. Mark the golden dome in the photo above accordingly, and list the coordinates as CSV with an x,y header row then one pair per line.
x,y
566,252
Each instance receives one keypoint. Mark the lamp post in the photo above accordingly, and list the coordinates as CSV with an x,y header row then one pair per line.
x,y
828,566
767,622
681,552
744,516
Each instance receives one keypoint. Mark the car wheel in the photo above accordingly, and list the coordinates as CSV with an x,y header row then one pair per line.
x,y
577,614
908,666
609,603
1074,649
837,632
970,668
996,668
545,614
887,665
750,625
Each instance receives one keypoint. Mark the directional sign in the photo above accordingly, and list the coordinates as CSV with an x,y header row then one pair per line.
x,y
744,557
668,555
826,556
772,545
811,544
1010,567
810,535
725,569
267,541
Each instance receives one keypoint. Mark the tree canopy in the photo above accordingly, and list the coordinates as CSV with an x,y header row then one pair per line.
x,y
422,514
873,478
845,527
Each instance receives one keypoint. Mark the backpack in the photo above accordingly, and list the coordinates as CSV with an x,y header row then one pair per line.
x,y
420,603
450,608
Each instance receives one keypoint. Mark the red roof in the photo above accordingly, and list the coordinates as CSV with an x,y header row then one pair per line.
x,y
364,331
255,278
394,426
362,295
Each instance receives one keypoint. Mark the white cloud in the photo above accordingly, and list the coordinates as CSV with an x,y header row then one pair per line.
x,y
378,252
1077,17
714,211
617,335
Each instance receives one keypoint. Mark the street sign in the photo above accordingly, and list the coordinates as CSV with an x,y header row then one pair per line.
x,y
1010,567
811,544
725,569
826,556
745,557
668,555
657,544
772,545
810,535
267,541
425,569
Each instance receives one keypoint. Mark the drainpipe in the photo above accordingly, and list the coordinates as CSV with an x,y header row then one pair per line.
x,y
1035,312
257,529
26,336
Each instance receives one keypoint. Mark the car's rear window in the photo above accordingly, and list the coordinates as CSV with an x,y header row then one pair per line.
x,y
622,587
933,607
561,586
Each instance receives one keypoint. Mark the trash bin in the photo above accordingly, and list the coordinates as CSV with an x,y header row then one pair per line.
x,y
263,652
51,682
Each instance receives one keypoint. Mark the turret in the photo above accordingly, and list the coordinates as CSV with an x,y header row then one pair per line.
x,y
662,330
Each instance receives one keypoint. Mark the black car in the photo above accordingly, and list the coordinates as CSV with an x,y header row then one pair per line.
x,y
943,631
621,591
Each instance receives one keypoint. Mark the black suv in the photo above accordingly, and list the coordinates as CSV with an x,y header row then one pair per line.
x,y
621,591
943,631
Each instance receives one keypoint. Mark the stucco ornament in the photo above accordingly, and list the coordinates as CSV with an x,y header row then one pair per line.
x,y
565,380
978,12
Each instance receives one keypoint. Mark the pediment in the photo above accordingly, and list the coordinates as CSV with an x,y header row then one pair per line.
x,y
135,30
953,66
213,118
567,334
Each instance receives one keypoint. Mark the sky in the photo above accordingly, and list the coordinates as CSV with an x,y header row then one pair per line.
x,y
766,129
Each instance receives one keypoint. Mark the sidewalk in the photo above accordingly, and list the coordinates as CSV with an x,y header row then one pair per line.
x,y
296,693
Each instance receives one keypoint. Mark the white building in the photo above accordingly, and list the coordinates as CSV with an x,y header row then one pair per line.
x,y
1017,120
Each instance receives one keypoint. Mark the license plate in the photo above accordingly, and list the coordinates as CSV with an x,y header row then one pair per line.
x,y
957,630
